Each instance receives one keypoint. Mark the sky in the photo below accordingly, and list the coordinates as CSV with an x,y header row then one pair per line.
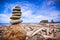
x,y
33,11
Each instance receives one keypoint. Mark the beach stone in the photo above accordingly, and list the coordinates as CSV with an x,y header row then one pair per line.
x,y
15,21
16,9
17,6
16,14
15,17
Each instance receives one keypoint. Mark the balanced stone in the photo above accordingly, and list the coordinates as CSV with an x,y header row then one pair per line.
x,y
16,15
18,9
16,12
15,21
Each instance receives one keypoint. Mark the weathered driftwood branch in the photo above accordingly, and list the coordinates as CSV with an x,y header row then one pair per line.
x,y
33,32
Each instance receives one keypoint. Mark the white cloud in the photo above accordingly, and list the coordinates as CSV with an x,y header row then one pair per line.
x,y
30,12
3,15
4,18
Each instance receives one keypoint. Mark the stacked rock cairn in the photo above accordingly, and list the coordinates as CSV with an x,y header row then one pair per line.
x,y
16,15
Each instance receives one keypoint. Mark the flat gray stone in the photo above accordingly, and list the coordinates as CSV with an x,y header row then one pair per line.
x,y
15,21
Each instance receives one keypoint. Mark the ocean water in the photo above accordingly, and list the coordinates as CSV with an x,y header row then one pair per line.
x,y
7,24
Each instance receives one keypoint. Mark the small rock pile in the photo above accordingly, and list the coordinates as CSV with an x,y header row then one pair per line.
x,y
16,15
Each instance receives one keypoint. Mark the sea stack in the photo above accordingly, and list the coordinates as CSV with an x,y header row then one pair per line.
x,y
16,15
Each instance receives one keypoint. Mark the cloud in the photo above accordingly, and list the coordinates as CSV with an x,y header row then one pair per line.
x,y
4,18
31,13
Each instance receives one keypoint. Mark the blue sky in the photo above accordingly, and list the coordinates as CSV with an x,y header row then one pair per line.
x,y
33,11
